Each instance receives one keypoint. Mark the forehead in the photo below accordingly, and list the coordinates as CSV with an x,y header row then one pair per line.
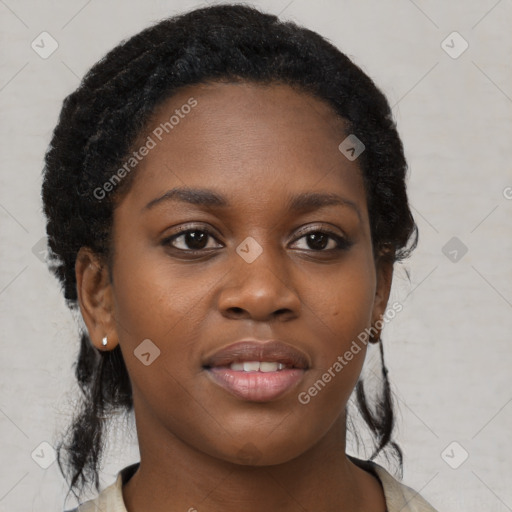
x,y
228,112
242,137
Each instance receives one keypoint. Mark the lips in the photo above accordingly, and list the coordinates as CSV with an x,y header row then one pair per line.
x,y
263,351
257,371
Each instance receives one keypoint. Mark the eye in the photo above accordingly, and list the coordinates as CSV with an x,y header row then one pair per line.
x,y
190,240
197,239
324,241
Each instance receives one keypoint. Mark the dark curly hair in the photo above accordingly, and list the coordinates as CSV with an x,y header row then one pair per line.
x,y
100,123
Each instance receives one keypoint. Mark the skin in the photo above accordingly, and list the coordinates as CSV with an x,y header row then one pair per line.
x,y
258,146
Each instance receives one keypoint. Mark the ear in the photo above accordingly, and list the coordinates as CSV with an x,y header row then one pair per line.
x,y
384,273
95,298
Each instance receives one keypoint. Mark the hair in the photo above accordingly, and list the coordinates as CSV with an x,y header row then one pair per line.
x,y
99,125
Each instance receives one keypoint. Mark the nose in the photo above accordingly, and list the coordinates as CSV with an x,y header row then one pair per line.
x,y
261,290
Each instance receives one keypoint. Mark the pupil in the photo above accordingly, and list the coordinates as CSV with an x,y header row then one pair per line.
x,y
195,240
315,238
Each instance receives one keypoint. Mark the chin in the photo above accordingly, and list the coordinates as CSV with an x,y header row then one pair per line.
x,y
251,454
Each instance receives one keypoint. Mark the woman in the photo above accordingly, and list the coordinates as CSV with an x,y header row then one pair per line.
x,y
225,199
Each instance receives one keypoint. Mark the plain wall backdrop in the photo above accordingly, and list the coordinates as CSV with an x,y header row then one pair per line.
x,y
448,351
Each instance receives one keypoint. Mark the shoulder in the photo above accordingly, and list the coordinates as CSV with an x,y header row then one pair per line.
x,y
87,506
399,497
111,498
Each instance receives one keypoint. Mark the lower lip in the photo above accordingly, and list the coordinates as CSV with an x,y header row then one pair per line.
x,y
256,386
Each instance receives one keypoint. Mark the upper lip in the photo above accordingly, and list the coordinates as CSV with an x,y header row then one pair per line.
x,y
255,350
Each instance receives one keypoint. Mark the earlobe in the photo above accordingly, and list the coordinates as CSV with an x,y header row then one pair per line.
x,y
95,299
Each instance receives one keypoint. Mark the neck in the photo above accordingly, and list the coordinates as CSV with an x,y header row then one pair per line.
x,y
176,476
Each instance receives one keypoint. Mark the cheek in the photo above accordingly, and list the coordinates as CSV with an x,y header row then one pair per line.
x,y
339,320
338,362
340,312
343,307
151,298
157,301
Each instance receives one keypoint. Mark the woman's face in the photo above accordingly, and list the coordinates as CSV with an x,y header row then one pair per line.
x,y
246,269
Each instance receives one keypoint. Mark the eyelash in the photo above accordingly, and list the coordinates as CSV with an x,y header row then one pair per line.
x,y
342,244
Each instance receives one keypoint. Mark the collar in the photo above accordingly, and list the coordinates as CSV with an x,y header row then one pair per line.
x,y
399,497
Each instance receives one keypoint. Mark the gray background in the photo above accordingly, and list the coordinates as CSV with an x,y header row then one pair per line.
x,y
449,350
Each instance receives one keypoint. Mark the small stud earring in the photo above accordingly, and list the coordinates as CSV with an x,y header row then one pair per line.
x,y
104,341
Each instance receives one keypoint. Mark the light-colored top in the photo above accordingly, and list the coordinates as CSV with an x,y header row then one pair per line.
x,y
399,497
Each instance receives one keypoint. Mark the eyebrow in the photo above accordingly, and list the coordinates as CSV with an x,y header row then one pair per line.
x,y
305,202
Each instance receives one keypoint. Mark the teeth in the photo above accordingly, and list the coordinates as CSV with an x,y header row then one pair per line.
x,y
254,366
268,367
251,366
